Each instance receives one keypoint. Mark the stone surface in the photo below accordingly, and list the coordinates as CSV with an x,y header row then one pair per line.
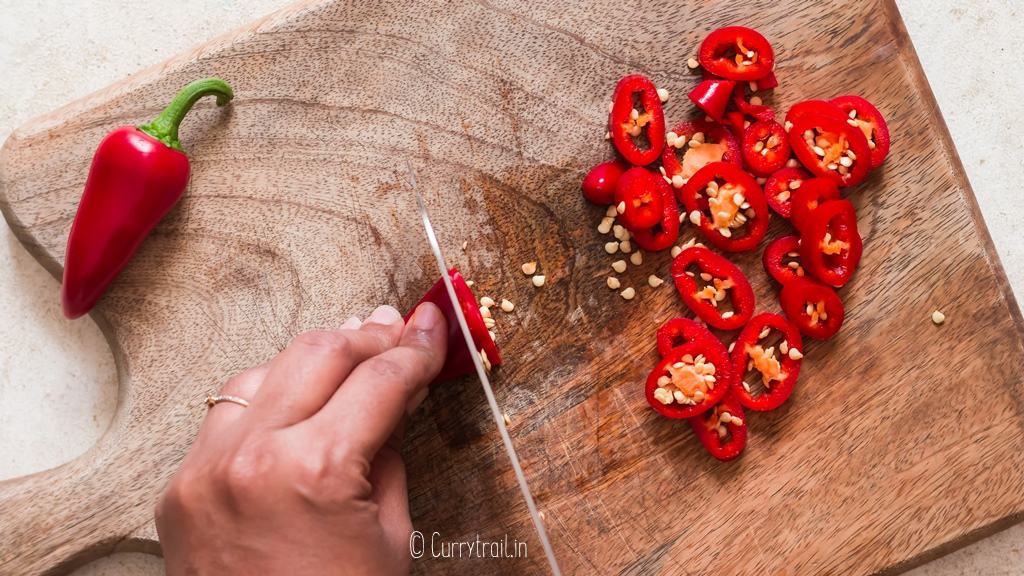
x,y
57,381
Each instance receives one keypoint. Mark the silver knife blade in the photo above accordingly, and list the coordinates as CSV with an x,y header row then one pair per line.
x,y
499,419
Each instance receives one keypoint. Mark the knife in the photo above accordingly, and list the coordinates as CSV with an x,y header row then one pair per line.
x,y
496,413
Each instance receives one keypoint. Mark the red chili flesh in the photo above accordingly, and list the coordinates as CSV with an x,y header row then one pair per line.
x,y
731,207
777,370
722,281
638,137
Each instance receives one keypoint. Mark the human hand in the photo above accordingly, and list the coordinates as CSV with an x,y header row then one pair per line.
x,y
308,479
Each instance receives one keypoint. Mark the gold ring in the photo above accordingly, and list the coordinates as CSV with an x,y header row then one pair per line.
x,y
214,399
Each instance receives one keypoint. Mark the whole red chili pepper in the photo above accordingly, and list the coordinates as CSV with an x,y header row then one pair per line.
x,y
137,175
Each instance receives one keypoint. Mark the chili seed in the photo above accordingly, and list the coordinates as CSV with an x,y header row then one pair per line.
x,y
538,280
613,282
611,247
628,293
619,266
507,306
487,301
938,317
636,258
529,268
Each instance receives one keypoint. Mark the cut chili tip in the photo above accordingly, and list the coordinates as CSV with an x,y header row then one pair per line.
x,y
938,317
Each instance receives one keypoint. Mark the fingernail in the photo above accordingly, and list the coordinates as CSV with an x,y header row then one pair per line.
x,y
385,315
352,323
416,400
426,317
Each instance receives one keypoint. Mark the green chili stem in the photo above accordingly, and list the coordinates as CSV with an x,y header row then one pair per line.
x,y
165,126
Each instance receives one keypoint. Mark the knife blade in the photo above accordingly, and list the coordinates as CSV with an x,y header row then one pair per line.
x,y
496,413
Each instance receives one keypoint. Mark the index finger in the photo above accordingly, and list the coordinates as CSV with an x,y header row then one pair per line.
x,y
370,404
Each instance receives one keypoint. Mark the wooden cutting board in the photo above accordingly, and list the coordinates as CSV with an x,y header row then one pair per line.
x,y
903,439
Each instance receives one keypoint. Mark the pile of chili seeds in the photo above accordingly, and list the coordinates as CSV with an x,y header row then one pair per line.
x,y
729,167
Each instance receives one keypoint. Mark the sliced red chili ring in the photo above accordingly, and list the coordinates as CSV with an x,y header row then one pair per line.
x,y
777,364
830,147
599,184
808,197
722,280
862,114
779,189
781,259
638,196
765,147
678,331
627,123
814,108
692,145
813,307
830,244
664,234
737,53
728,205
712,96
723,429
690,380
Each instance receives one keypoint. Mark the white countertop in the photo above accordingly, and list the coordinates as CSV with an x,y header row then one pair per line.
x,y
53,51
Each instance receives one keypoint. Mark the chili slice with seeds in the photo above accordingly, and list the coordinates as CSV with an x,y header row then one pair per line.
x,y
830,244
778,371
813,307
626,130
778,257
690,380
727,201
723,429
765,147
724,280
831,148
862,114
716,144
778,190
737,53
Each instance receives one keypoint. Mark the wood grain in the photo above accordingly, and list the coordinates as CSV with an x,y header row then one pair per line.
x,y
902,441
